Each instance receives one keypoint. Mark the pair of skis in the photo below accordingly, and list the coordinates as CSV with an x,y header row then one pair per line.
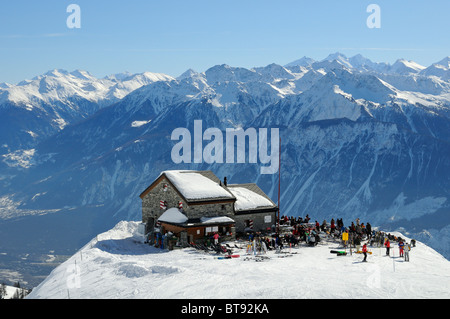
x,y
228,257
344,253
360,252
339,252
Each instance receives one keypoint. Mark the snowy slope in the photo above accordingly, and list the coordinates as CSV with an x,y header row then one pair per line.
x,y
116,264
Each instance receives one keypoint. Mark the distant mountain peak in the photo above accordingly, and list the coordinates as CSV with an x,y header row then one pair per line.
x,y
404,66
336,56
57,72
187,74
81,74
305,61
5,85
119,76
445,62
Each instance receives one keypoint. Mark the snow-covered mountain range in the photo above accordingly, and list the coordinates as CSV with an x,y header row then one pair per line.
x,y
359,139
35,109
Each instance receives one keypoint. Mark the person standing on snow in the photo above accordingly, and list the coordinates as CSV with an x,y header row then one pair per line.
x,y
332,226
369,230
407,249
357,242
216,238
401,245
387,244
317,226
364,251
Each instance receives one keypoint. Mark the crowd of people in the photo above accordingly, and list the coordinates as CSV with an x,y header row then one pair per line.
x,y
357,235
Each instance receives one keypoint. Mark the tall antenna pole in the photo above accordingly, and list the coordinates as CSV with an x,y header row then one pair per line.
x,y
279,184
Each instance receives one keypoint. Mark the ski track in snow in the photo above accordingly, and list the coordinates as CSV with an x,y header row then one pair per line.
x,y
118,265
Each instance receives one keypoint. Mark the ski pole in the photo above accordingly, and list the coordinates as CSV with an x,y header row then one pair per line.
x,y
393,260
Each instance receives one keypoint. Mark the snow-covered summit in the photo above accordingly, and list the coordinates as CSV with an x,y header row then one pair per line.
x,y
59,85
187,74
305,61
445,62
117,264
361,63
403,66
339,57
49,102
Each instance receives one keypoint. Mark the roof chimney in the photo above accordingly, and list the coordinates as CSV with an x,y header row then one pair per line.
x,y
225,181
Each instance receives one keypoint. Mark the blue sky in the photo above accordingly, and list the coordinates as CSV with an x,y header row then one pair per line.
x,y
171,36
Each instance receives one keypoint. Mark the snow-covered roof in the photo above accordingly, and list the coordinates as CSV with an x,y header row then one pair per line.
x,y
216,220
197,185
173,216
249,197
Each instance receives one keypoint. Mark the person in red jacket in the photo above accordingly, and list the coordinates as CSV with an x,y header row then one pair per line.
x,y
401,246
216,238
364,251
387,244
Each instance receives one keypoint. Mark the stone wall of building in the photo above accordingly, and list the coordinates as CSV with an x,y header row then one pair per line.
x,y
261,221
151,204
151,201
211,210
151,210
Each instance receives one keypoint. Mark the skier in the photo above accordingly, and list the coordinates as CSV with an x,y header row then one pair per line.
x,y
216,238
358,230
387,244
357,242
158,242
312,240
407,249
369,230
401,246
332,226
323,227
163,241
340,223
279,243
364,251
352,228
